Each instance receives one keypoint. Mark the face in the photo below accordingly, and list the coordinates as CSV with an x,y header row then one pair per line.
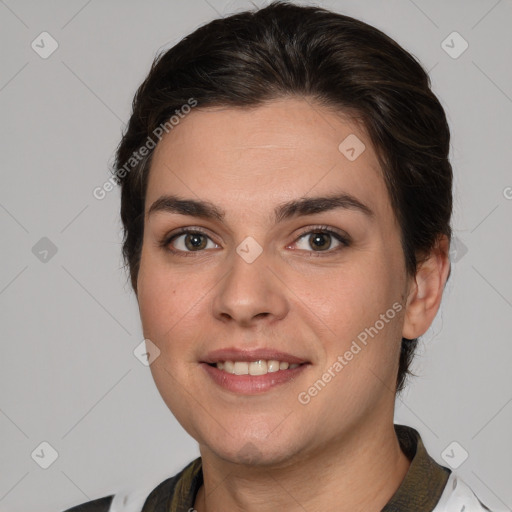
x,y
308,298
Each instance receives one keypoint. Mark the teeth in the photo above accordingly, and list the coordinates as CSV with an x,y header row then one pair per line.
x,y
241,368
260,367
272,366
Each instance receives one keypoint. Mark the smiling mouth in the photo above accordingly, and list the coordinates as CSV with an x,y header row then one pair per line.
x,y
258,367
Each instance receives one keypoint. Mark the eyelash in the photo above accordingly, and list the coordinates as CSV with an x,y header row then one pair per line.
x,y
343,239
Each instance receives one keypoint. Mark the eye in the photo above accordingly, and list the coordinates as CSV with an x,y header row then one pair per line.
x,y
321,240
188,241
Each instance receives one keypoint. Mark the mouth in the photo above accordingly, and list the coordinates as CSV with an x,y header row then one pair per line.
x,y
258,367
252,371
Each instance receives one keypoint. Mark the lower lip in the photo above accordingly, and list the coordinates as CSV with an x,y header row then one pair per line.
x,y
252,384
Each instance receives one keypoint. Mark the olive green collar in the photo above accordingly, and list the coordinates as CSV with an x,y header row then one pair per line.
x,y
425,480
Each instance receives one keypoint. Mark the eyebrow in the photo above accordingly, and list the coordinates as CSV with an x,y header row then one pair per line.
x,y
298,207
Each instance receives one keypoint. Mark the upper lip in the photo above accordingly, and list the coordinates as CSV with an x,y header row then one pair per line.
x,y
234,354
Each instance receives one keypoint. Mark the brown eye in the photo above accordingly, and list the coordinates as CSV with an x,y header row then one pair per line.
x,y
195,241
189,241
321,240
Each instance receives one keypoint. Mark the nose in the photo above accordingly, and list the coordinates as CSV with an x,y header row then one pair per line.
x,y
251,292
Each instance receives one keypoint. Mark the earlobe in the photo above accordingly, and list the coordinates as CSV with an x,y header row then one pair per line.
x,y
426,290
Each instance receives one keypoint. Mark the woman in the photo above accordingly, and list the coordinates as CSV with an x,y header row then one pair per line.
x,y
286,200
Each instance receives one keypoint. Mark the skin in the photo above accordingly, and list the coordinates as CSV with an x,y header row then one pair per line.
x,y
265,452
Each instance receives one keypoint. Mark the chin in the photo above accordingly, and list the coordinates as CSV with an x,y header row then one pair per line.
x,y
254,454
247,447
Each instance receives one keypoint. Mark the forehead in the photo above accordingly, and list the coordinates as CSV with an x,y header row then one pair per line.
x,y
250,159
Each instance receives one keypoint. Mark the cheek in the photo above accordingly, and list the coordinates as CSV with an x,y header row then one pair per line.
x,y
159,298
354,297
171,306
362,306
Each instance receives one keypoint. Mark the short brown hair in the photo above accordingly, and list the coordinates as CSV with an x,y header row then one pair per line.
x,y
286,50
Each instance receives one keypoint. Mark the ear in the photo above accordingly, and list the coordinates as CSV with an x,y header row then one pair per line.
x,y
426,290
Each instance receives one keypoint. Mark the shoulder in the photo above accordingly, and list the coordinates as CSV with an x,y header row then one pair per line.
x,y
457,496
99,505
148,495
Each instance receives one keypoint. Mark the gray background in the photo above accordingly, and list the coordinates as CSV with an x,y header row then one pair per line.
x,y
69,320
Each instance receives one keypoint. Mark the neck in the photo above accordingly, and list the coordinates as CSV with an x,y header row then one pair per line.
x,y
360,472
